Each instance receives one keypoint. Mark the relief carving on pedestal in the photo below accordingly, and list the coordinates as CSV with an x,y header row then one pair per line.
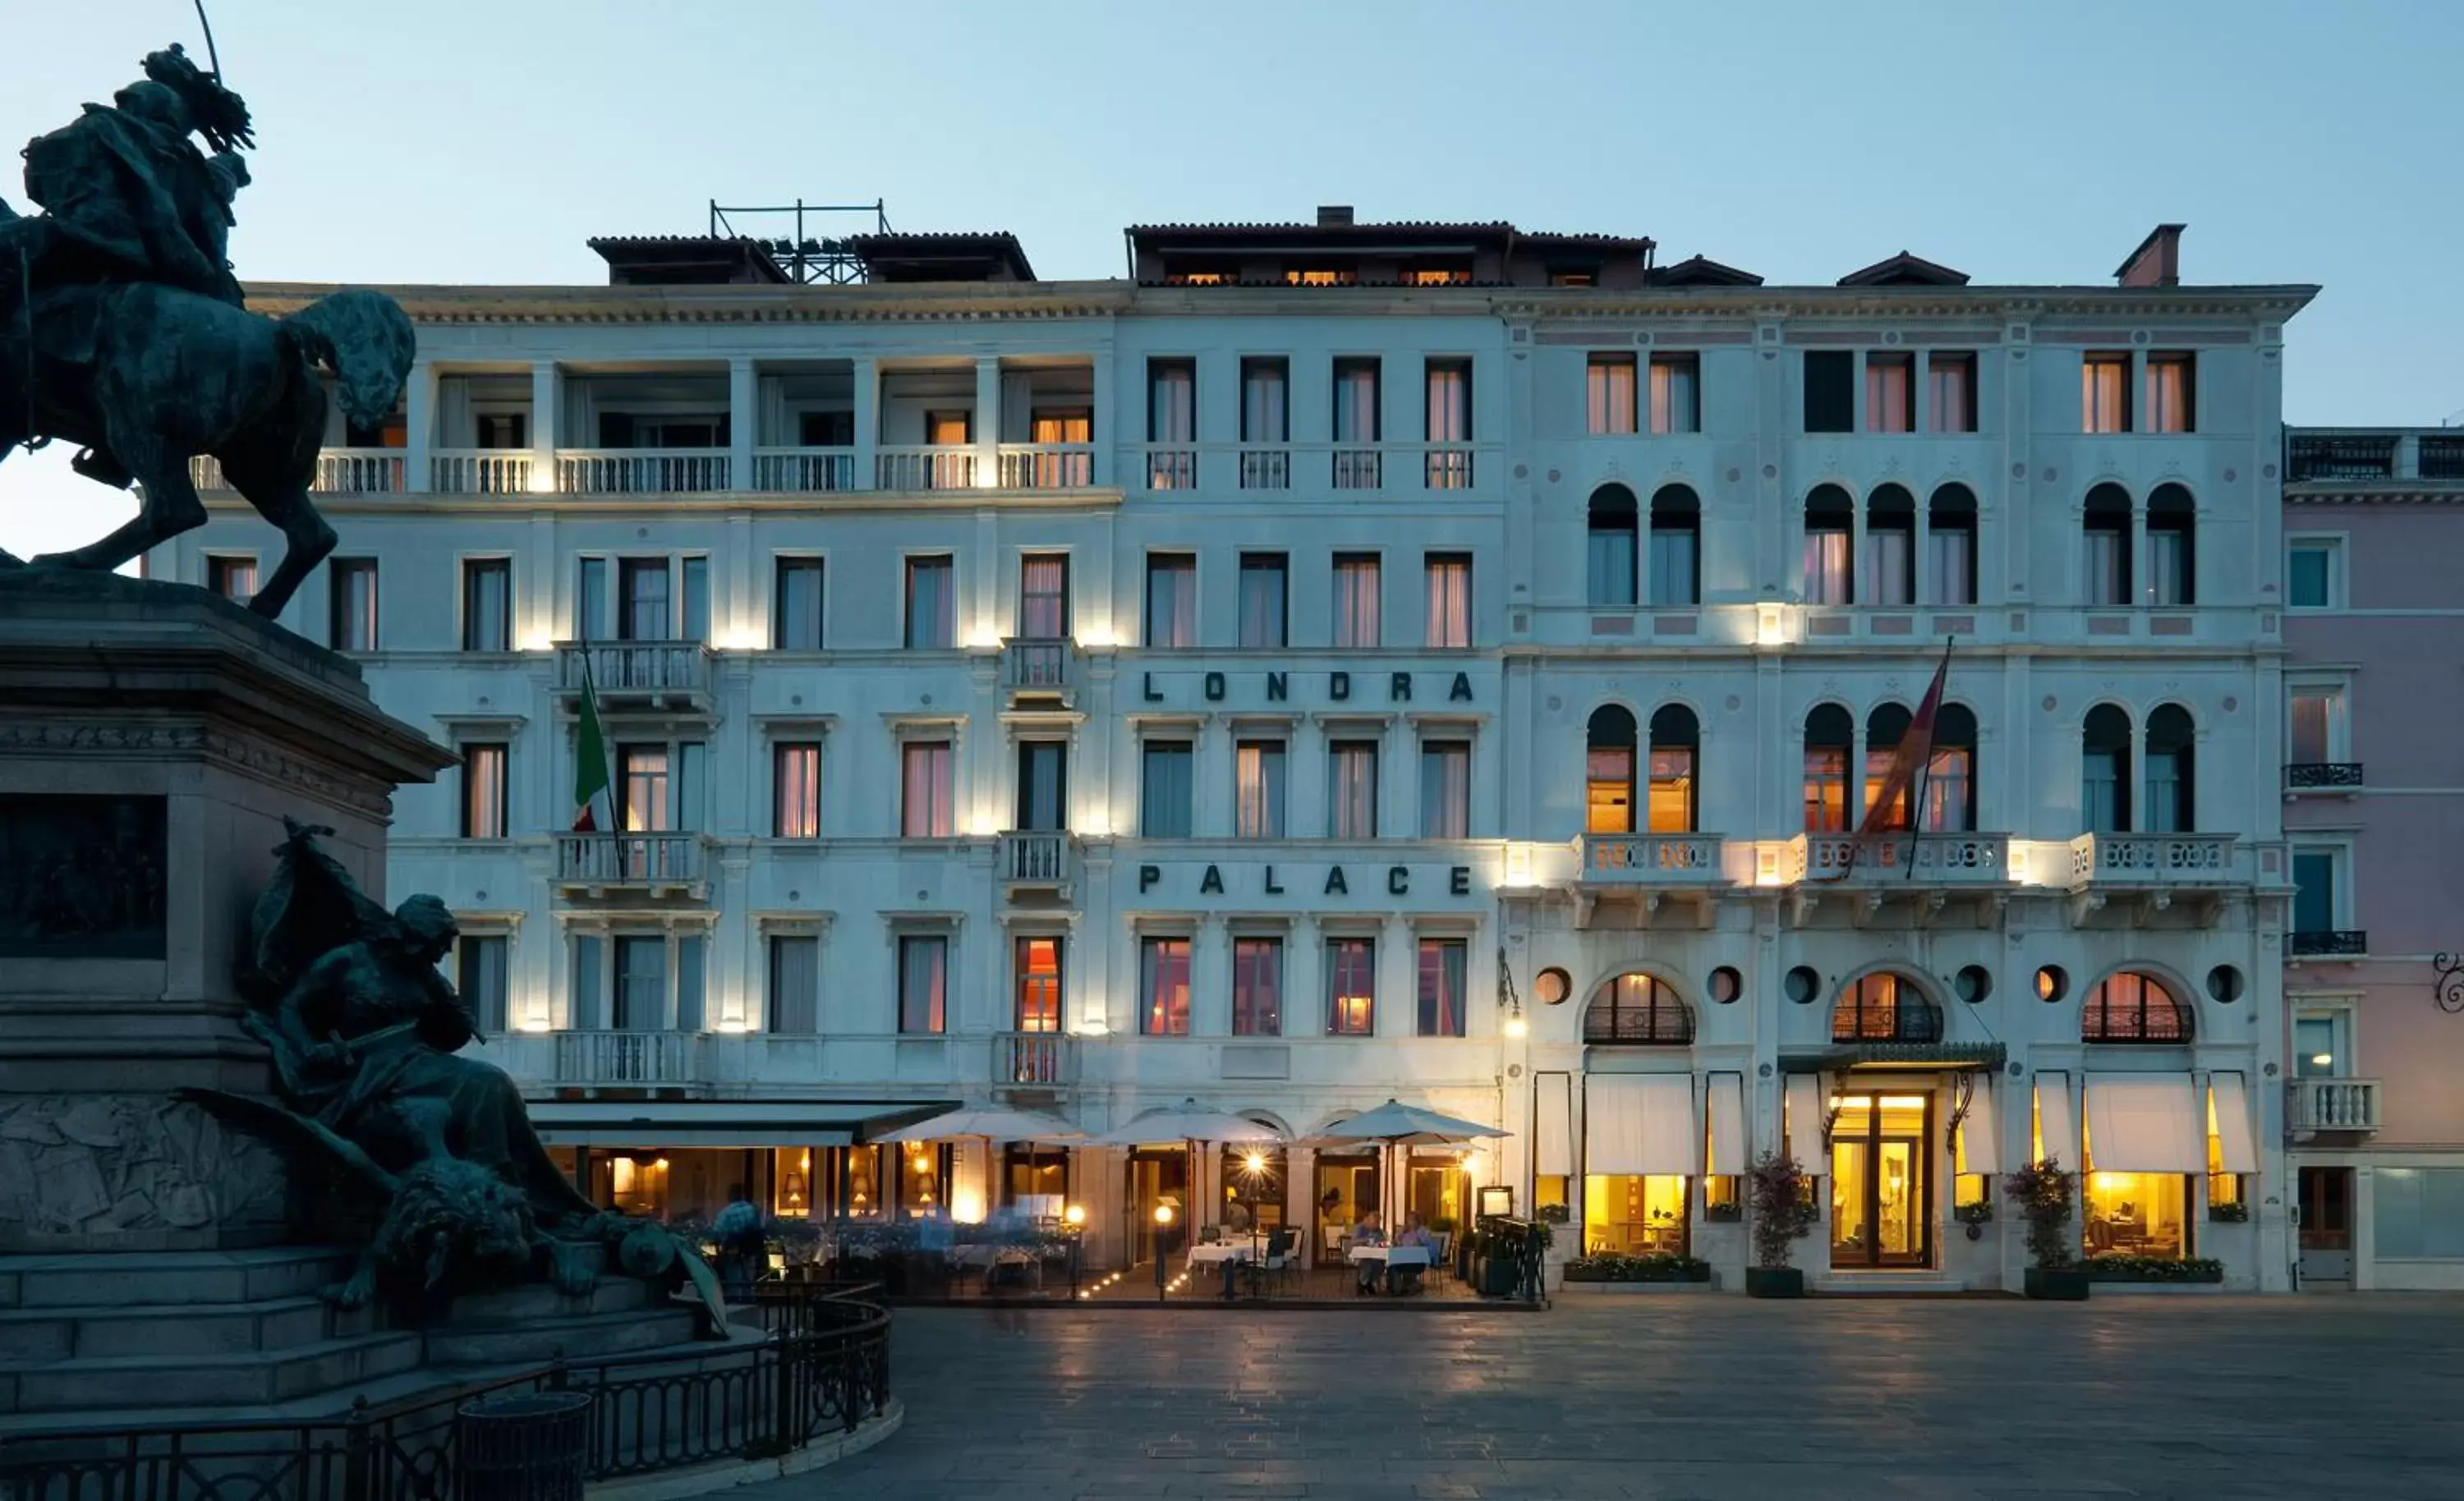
x,y
81,877
104,1164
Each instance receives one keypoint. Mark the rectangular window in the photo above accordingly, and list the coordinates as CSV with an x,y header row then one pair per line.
x,y
2317,901
234,578
696,599
1258,801
2107,565
1826,563
1890,556
1445,789
486,604
693,776
949,430
1826,790
1172,599
483,791
1676,394
1171,400
2169,579
588,996
1830,390
1670,808
928,793
796,777
825,430
1890,393
643,774
2100,791
501,430
351,584
796,605
932,604
2170,808
1449,590
1043,785
1951,553
590,599
1947,794
645,610
2315,725
2172,393
1265,400
795,985
1355,600
2318,1047
1441,987
1608,789
690,980
1448,388
1950,392
1357,418
1262,599
2417,1213
2104,393
1044,597
1351,987
1257,987
479,975
1676,567
1164,986
923,984
2313,573
641,999
1609,384
1165,788
1037,961
1352,790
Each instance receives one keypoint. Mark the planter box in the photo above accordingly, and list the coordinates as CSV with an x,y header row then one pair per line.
x,y
1574,1278
1577,1289
2053,1285
1774,1282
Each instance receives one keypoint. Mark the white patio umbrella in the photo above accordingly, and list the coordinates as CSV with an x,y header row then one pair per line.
x,y
1397,1125
988,1125
1189,1122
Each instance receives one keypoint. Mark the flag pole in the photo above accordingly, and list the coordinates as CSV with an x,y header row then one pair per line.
x,y
1924,770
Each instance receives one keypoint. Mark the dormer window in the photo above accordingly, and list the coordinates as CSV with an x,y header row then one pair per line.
x,y
1303,277
1195,278
1438,276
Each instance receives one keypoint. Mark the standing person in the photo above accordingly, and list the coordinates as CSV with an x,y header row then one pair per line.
x,y
740,1246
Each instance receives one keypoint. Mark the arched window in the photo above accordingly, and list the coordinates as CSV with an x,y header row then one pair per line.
x,y
1951,772
2104,771
1608,775
2107,526
2172,561
1637,1008
1676,546
1884,728
2130,1007
1830,517
1950,546
2172,804
1829,735
1614,518
1882,1008
1675,741
1890,545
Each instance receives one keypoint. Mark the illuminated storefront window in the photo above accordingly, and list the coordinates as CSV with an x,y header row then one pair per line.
x,y
1634,1216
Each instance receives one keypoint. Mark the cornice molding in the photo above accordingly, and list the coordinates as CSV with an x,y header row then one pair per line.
x,y
2375,493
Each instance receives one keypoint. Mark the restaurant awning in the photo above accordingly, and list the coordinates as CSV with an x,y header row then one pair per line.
x,y
1806,1116
1961,1057
2229,1117
1640,1124
2057,1139
728,1123
1728,1101
1552,1127
1980,1135
2144,1123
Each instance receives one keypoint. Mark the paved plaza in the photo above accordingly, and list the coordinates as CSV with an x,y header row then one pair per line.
x,y
1678,1396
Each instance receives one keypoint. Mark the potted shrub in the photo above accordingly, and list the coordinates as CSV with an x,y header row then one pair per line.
x,y
2042,1193
1782,1197
1975,1214
2234,1213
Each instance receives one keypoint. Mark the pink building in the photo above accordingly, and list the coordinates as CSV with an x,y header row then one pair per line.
x,y
2374,816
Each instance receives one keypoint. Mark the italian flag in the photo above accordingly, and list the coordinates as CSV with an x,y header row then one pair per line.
x,y
590,785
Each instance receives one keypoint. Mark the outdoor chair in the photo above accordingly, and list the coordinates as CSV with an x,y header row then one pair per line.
x,y
1276,1265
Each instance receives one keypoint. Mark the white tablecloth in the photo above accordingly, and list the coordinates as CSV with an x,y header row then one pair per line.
x,y
1392,1255
1216,1255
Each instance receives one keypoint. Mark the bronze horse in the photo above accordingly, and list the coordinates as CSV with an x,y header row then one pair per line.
x,y
155,376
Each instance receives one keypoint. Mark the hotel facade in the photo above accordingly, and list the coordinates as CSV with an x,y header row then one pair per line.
x,y
1347,661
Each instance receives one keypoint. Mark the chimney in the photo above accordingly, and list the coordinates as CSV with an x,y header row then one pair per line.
x,y
2157,260
1334,216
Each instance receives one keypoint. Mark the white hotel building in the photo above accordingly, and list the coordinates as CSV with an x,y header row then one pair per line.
x,y
1102,694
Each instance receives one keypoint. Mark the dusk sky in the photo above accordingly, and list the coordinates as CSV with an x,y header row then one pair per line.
x,y
466,141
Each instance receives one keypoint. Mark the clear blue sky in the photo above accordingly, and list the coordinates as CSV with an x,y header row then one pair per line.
x,y
477,140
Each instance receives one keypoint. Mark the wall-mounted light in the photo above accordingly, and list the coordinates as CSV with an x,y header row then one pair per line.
x,y
1770,624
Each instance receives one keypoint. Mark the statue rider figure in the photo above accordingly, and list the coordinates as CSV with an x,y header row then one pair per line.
x,y
129,198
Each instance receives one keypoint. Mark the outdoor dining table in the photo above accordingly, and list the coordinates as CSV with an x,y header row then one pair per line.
x,y
1390,1257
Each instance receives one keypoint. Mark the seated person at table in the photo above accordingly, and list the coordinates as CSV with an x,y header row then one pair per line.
x,y
1413,1234
1369,1232
1236,1218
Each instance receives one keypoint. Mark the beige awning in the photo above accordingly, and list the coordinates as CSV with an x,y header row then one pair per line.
x,y
650,1124
1727,1123
1980,1138
2229,1121
2057,1139
2144,1123
1805,1116
1641,1123
1553,1128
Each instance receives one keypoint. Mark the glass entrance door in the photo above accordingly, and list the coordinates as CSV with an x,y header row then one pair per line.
x,y
1882,1181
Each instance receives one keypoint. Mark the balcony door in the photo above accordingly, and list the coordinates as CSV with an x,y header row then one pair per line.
x,y
1043,785
1882,1181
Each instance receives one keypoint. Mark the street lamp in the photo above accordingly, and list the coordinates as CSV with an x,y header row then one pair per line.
x,y
1163,1223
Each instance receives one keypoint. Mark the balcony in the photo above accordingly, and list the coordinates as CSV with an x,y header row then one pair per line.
x,y
1447,467
1046,465
2327,942
1265,466
2441,458
360,471
667,863
1039,861
1172,469
1039,670
2342,456
479,472
640,471
1925,860
2333,1104
1357,468
1026,1061
805,471
641,1058
2321,775
1639,858
923,467
2150,871
655,675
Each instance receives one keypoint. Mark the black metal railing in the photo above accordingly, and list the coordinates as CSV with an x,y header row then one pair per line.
x,y
2323,774
2314,457
824,1368
2441,458
2327,941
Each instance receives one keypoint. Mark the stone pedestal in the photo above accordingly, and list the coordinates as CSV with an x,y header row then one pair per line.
x,y
152,737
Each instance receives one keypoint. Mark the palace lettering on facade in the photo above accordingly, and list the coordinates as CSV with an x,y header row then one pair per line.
x,y
1215,685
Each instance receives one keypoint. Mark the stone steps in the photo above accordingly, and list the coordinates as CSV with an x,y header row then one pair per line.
x,y
33,1336
186,1278
207,1381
